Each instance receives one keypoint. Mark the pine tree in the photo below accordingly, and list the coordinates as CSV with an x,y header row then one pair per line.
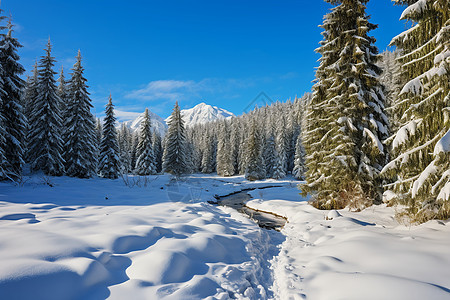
x,y
124,141
391,80
3,160
30,93
254,161
174,158
269,154
145,157
80,137
157,151
45,143
421,151
346,116
11,109
299,161
109,161
134,145
208,154
63,92
282,142
225,165
98,137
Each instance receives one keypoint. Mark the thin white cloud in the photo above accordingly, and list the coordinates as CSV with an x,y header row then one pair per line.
x,y
165,89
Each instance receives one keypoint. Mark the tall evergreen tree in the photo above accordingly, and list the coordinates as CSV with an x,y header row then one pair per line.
x,y
30,93
98,137
11,109
134,145
208,154
109,160
281,155
421,146
3,160
45,147
391,80
62,92
124,141
224,160
174,158
145,163
254,161
346,116
80,139
299,161
157,151
269,154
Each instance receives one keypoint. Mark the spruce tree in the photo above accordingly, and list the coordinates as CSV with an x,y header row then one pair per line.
x,y
145,156
98,137
134,145
299,161
421,146
391,79
281,155
109,160
208,154
3,160
346,115
11,109
269,155
157,151
225,165
45,147
124,141
80,136
174,157
253,156
30,93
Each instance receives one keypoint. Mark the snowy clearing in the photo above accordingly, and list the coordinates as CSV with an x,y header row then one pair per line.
x,y
366,255
98,239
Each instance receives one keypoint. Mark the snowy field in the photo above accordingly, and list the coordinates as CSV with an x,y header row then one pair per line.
x,y
353,256
157,239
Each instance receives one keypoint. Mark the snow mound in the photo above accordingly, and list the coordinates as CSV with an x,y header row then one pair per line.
x,y
69,242
333,214
365,255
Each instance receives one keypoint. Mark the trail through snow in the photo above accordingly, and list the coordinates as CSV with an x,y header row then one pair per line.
x,y
65,238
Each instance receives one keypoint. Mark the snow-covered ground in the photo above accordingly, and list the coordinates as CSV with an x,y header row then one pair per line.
x,y
345,255
98,238
65,238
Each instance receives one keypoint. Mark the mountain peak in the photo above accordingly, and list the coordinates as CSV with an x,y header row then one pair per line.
x,y
203,113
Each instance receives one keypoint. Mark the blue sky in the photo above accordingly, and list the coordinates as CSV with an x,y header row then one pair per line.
x,y
151,53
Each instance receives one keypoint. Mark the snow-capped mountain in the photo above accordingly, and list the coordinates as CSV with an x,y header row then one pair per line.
x,y
200,114
203,113
133,120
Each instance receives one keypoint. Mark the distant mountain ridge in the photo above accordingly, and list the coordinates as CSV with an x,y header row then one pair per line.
x,y
203,113
157,122
200,114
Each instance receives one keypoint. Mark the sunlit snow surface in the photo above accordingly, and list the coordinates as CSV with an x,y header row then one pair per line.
x,y
352,256
97,239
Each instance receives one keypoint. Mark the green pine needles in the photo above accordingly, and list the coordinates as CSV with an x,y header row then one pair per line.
x,y
419,172
345,118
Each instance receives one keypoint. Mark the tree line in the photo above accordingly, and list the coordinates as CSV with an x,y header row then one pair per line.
x,y
375,127
373,136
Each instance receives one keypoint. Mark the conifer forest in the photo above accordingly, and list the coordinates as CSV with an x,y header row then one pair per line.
x,y
95,208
